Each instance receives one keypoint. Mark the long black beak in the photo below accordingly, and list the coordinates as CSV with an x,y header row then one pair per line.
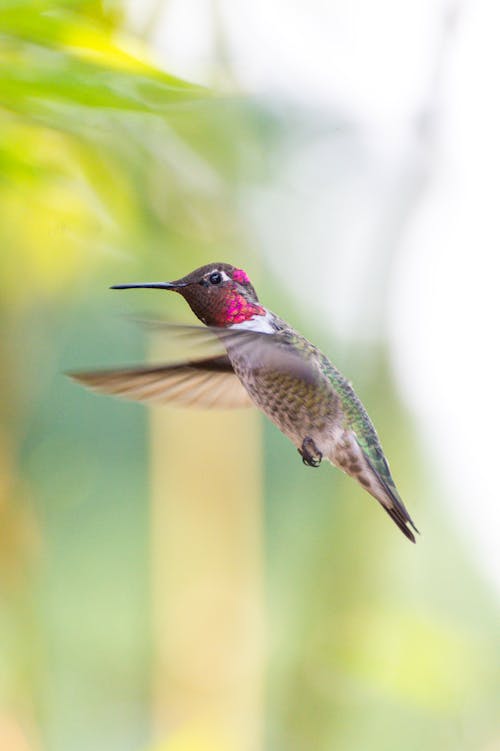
x,y
150,285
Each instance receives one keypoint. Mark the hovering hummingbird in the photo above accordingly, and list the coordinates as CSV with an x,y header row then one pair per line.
x,y
262,361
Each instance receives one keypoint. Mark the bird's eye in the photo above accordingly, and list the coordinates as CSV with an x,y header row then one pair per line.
x,y
215,277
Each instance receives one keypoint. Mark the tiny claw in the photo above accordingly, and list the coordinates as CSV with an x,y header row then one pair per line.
x,y
311,455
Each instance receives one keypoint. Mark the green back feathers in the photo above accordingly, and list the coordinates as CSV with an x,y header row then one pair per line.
x,y
357,420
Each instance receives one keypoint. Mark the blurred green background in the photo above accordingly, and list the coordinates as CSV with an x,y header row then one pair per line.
x,y
268,606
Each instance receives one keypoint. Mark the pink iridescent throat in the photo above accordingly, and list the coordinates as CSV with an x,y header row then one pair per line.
x,y
239,309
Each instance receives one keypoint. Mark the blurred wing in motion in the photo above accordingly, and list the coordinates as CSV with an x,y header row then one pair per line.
x,y
209,383
207,380
266,351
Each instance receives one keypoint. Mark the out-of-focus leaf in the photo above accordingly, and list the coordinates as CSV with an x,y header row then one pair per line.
x,y
48,51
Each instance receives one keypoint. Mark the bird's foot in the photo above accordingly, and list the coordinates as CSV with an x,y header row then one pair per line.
x,y
310,453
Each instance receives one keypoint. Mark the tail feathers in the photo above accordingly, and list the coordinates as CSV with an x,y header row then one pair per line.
x,y
373,474
400,517
394,506
382,488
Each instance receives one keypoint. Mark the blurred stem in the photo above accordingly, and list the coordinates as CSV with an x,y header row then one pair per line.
x,y
207,578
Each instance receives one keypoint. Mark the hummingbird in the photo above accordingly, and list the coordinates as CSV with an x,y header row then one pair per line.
x,y
261,361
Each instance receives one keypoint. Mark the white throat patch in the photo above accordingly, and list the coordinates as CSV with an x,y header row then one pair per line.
x,y
260,324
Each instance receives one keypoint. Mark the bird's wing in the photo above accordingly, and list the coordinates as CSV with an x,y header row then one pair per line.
x,y
205,380
207,383
268,351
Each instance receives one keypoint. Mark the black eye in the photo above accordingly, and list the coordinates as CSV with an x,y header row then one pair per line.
x,y
215,277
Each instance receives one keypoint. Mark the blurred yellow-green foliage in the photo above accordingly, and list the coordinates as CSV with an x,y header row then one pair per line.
x,y
111,170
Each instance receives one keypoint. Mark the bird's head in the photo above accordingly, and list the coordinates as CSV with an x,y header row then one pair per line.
x,y
218,294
